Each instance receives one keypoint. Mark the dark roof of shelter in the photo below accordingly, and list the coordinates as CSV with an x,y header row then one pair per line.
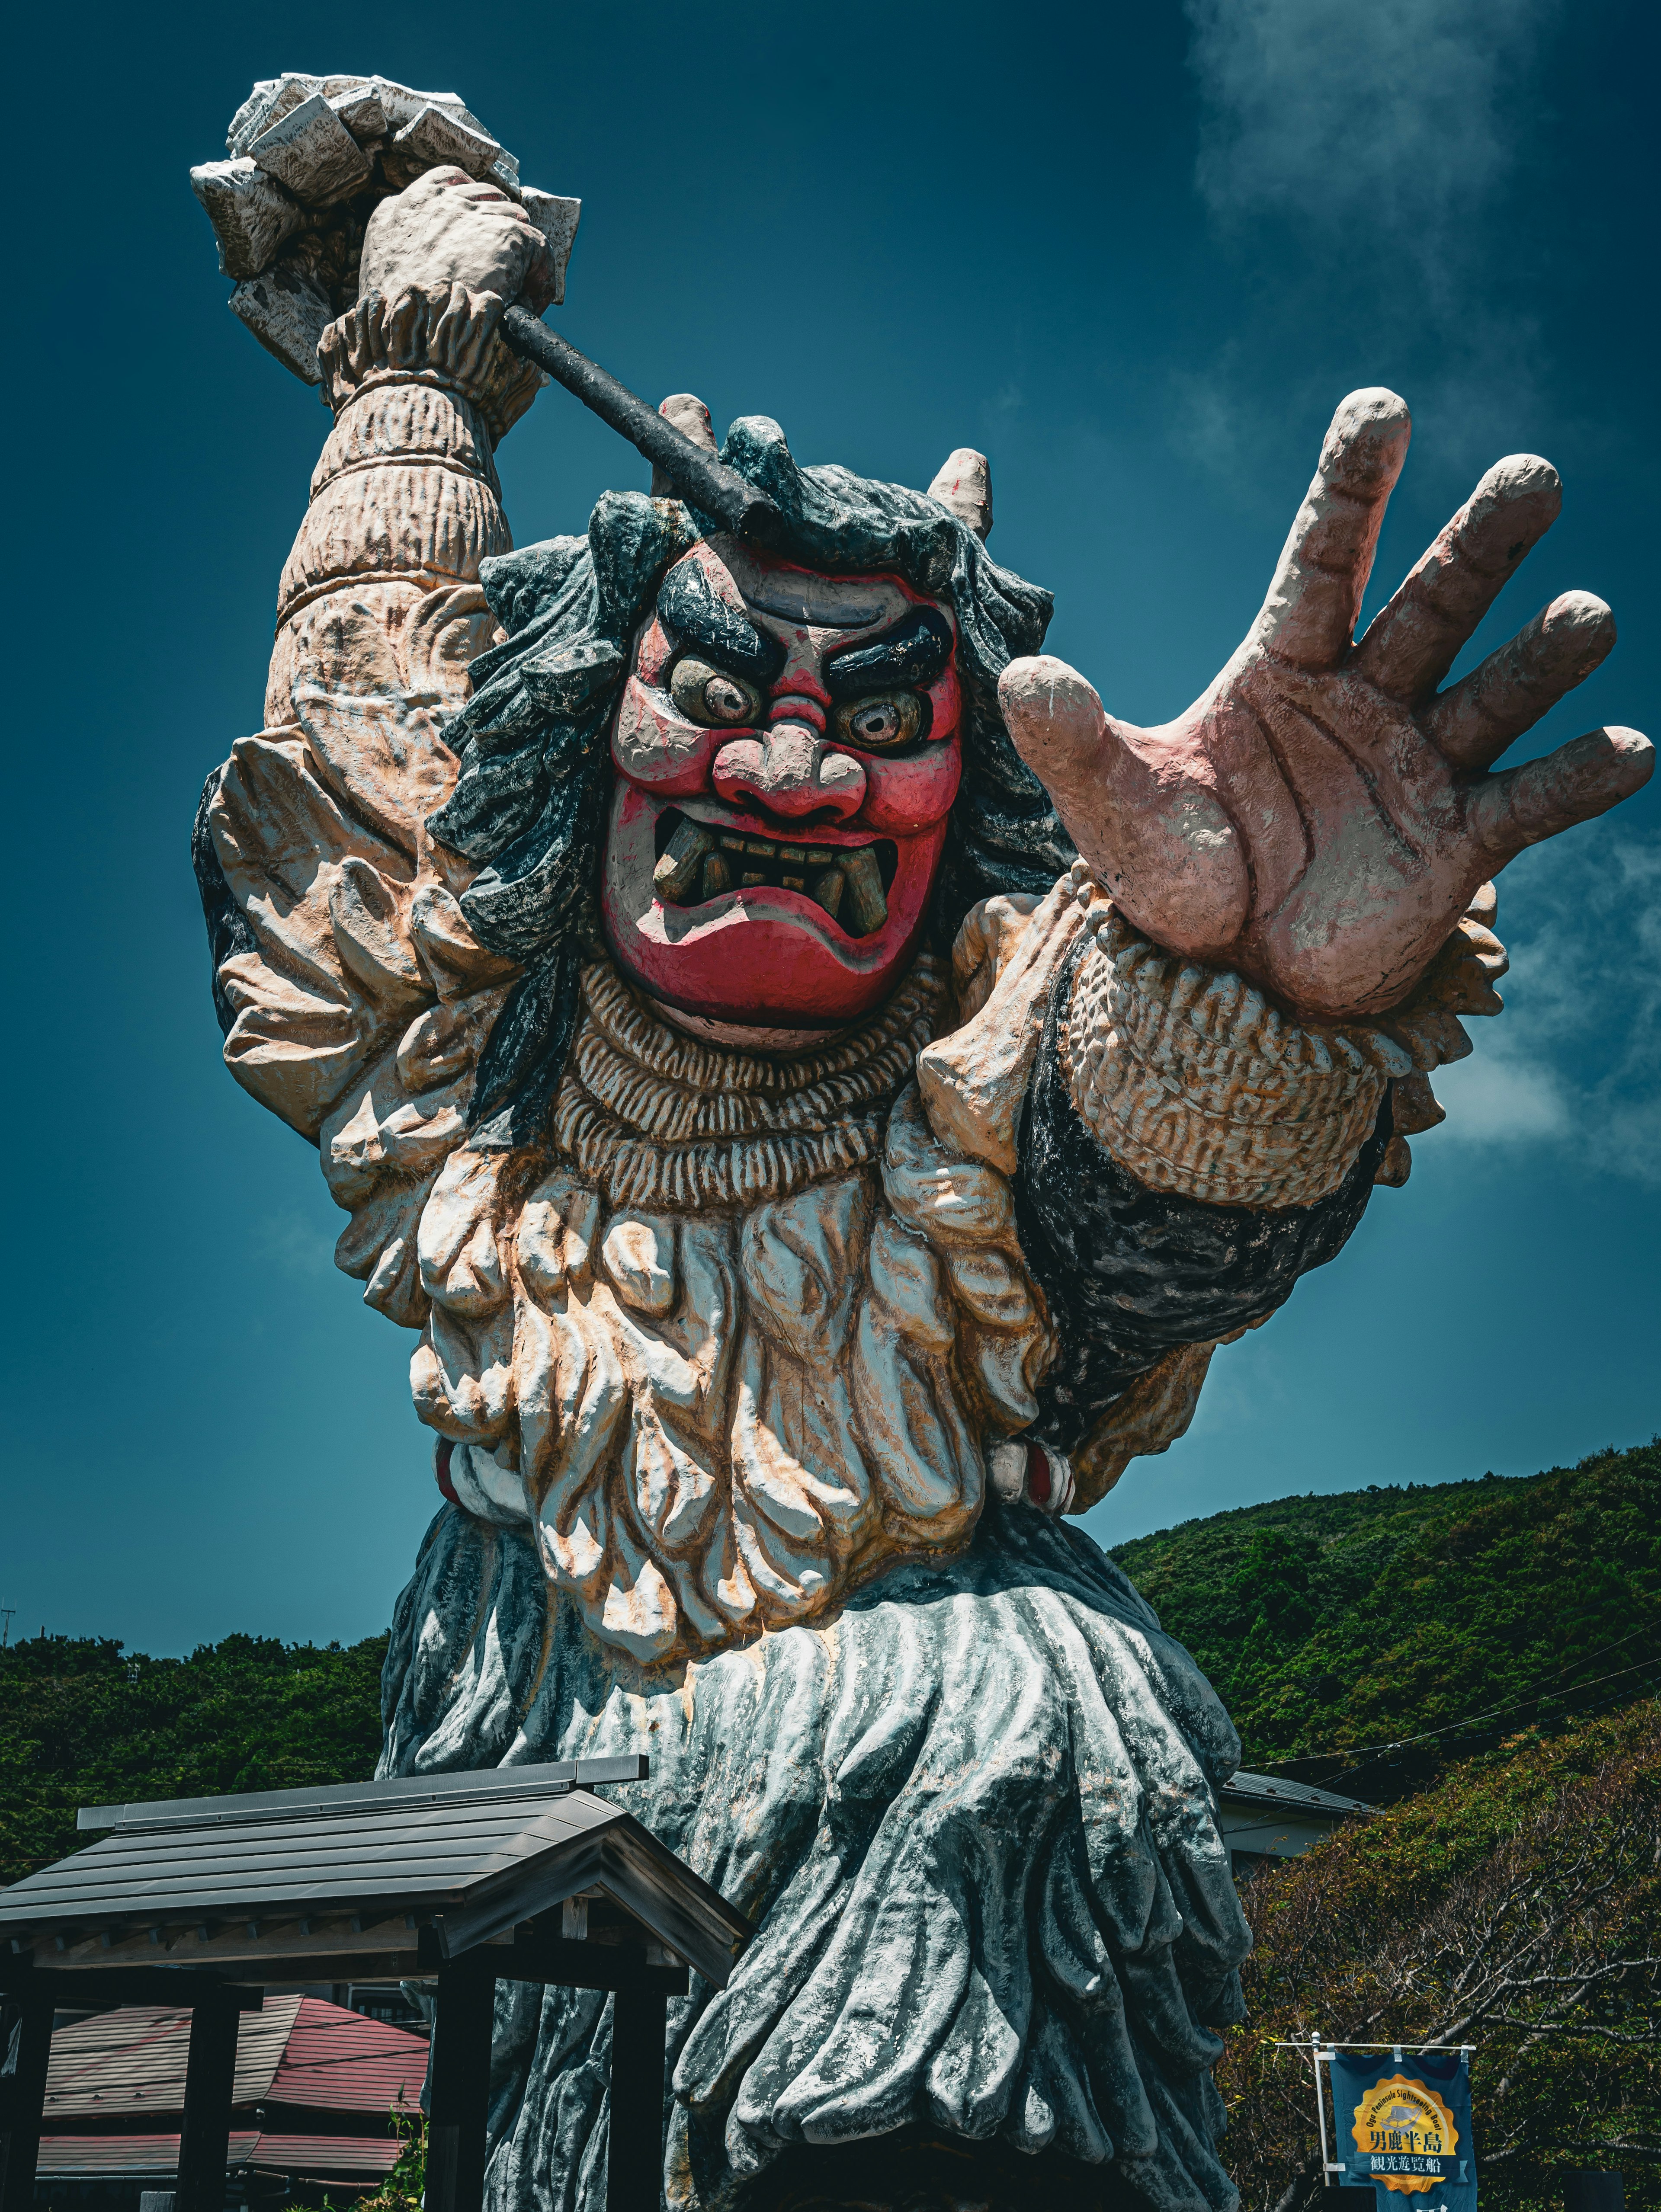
x,y
474,1855
549,1779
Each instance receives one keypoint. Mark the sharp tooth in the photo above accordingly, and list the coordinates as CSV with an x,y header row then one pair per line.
x,y
867,906
717,876
828,888
759,849
677,870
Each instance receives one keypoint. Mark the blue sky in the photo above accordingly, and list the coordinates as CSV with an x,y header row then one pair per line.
x,y
1136,254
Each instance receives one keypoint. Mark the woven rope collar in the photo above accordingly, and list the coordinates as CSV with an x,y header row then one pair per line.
x,y
660,1120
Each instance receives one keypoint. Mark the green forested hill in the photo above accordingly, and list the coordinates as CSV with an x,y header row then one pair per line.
x,y
84,1723
1366,1618
1516,1906
1378,1615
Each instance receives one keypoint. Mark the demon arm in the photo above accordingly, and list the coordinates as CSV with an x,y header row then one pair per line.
x,y
355,998
1320,817
1176,1153
1197,1057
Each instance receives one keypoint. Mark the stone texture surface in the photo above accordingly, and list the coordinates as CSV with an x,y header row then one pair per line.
x,y
433,139
556,218
363,112
250,213
275,97
312,154
311,157
974,1818
287,312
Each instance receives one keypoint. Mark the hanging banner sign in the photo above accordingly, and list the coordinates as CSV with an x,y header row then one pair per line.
x,y
1404,2129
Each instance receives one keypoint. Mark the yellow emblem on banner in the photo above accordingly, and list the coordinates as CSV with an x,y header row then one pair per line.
x,y
1401,2126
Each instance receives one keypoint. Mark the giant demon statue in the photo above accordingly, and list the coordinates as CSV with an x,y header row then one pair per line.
x,y
820,1088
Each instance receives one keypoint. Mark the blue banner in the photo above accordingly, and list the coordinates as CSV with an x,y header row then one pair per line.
x,y
1402,2128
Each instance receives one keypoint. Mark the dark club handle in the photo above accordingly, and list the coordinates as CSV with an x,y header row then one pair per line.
x,y
700,479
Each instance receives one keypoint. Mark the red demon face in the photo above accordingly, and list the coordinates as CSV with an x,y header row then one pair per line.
x,y
787,752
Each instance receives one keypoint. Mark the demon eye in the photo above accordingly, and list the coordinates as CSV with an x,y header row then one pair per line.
x,y
881,724
709,695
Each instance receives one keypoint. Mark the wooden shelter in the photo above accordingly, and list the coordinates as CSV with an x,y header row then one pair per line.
x,y
516,1873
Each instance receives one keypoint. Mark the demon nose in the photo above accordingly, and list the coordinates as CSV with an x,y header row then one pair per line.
x,y
789,770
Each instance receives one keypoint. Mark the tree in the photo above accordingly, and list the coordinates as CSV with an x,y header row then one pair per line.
x,y
83,1722
1365,1640
1516,1907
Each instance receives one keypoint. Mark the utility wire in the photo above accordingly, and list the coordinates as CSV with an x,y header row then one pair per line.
x,y
1350,1774
1351,1765
1585,1659
1493,1712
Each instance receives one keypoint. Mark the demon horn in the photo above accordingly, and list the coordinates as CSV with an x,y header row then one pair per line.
x,y
685,412
964,485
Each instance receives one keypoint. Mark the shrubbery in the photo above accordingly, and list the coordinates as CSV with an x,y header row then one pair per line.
x,y
1374,1616
83,1722
1517,1906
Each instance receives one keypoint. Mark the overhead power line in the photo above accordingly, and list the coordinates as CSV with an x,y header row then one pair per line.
x,y
1493,1712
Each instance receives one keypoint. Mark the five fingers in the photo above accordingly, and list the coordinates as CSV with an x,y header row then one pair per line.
x,y
1580,780
1309,617
1412,644
1471,725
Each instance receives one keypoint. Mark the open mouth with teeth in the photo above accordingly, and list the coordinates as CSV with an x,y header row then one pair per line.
x,y
698,862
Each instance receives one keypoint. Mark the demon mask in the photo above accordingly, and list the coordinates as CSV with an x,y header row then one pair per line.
x,y
787,750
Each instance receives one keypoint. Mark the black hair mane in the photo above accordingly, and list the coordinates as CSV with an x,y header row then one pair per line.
x,y
530,800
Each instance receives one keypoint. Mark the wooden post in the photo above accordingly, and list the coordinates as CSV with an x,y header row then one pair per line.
x,y
460,2092
634,2154
209,2083
24,2092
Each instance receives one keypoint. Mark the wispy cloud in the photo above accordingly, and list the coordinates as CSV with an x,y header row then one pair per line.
x,y
1357,156
1366,163
1384,117
1576,1060
291,1246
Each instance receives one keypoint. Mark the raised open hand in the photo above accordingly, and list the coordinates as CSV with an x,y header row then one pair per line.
x,y
1321,817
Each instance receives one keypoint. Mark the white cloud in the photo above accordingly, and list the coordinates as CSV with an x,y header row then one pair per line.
x,y
1388,114
1212,422
290,1243
1356,154
1575,1061
1499,1098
